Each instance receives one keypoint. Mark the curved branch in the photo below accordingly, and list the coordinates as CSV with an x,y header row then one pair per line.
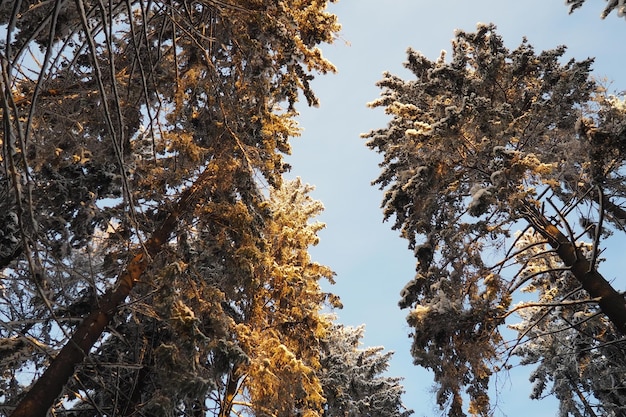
x,y
559,304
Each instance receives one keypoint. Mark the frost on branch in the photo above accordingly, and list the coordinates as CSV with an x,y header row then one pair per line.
x,y
139,142
352,377
480,200
480,144
620,5
571,344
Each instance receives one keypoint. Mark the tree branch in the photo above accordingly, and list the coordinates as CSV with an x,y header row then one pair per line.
x,y
48,387
611,302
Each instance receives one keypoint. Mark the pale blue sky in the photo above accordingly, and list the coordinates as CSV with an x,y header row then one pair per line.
x,y
371,261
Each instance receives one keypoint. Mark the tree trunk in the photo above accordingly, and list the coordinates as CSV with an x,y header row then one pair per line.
x,y
230,393
42,395
48,387
611,302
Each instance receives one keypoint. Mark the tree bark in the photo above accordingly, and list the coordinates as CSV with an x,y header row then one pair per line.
x,y
42,395
48,387
611,302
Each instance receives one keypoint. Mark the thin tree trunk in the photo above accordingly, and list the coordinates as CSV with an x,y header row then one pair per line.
x,y
229,396
48,387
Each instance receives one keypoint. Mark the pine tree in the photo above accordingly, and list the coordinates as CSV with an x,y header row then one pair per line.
x,y
352,377
132,131
487,143
203,341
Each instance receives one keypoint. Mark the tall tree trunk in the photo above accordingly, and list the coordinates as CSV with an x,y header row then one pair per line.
x,y
48,387
611,302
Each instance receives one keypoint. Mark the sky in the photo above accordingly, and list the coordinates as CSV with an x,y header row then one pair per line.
x,y
371,261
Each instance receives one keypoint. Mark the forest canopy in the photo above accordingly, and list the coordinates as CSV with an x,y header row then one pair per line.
x,y
155,260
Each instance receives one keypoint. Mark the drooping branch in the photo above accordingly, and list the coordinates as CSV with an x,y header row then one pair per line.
x,y
44,392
